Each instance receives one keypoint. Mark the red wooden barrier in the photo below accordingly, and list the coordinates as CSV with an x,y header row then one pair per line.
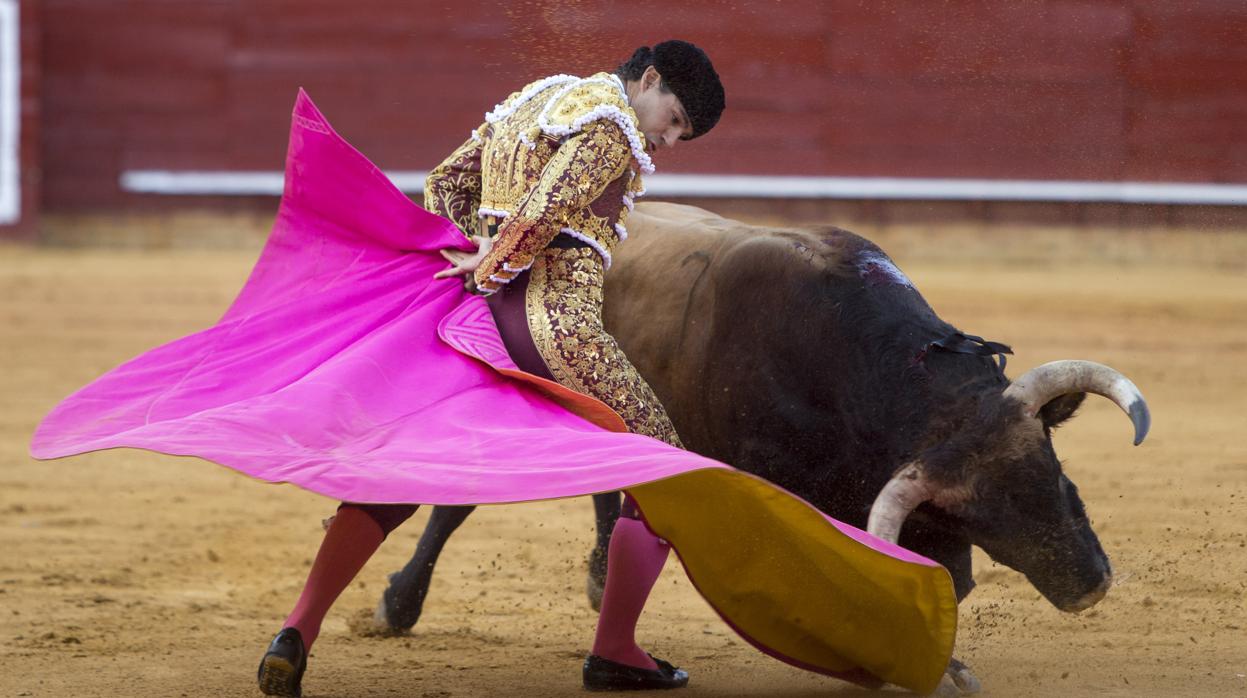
x,y
1064,89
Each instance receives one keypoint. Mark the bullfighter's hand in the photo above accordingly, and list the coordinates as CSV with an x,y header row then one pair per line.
x,y
465,262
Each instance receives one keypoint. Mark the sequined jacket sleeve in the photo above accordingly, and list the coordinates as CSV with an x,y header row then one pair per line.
x,y
453,188
577,173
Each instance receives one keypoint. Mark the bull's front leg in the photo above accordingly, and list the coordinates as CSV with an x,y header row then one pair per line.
x,y
953,552
606,507
403,600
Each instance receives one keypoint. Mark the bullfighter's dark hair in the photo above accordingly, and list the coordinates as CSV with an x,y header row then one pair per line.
x,y
634,67
686,70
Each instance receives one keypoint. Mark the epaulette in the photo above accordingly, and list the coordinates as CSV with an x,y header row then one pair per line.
x,y
602,96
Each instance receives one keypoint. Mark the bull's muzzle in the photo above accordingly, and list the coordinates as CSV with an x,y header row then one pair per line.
x,y
1090,599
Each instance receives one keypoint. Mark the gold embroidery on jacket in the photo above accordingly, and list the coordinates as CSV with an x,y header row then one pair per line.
x,y
453,188
562,200
564,308
558,157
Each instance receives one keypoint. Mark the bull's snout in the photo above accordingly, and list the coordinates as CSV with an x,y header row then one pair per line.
x,y
1091,598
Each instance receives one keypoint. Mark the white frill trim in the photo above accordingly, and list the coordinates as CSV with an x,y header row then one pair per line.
x,y
515,270
476,136
498,279
485,211
621,231
630,196
504,110
601,111
597,246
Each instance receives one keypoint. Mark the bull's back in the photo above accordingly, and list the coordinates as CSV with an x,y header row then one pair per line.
x,y
690,289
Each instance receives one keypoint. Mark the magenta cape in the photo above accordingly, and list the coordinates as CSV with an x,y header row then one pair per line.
x,y
344,368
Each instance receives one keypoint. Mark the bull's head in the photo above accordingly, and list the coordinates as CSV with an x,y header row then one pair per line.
x,y
1008,490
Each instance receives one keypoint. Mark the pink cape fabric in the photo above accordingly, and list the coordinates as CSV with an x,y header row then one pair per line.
x,y
344,368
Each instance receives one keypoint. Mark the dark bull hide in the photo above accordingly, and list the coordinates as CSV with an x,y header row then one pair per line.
x,y
807,357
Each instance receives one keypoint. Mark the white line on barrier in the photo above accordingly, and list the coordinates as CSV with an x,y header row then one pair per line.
x,y
227,183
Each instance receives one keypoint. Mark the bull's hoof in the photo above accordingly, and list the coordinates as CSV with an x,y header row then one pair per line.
x,y
957,681
964,679
946,689
595,583
375,624
967,682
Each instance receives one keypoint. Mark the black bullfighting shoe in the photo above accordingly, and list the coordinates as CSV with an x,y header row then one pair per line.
x,y
281,670
604,675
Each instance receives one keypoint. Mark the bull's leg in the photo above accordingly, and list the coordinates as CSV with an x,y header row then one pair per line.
x,y
953,552
402,602
957,560
606,506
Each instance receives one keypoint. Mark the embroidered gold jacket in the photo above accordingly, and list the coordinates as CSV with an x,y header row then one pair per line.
x,y
563,155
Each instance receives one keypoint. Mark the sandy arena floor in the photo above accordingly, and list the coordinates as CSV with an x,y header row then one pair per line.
x,y
128,573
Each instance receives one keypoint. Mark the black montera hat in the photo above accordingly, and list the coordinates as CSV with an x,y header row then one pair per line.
x,y
687,71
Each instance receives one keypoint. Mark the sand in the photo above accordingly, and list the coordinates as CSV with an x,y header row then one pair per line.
x,y
129,573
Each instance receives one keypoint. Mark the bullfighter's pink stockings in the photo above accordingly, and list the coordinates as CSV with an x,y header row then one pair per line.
x,y
633,562
352,538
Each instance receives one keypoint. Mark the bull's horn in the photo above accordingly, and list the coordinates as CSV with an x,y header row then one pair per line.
x,y
1043,383
906,490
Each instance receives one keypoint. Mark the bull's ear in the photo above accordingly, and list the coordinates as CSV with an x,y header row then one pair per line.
x,y
1059,409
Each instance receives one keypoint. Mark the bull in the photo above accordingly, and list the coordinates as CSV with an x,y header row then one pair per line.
x,y
808,358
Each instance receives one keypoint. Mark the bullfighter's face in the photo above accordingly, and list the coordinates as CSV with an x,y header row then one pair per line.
x,y
661,117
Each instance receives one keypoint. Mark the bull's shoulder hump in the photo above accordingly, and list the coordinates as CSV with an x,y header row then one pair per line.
x,y
677,218
681,229
818,250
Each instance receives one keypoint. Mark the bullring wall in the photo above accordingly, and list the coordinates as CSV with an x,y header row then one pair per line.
x,y
1096,90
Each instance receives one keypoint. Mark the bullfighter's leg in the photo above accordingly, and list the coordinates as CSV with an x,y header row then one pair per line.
x,y
636,559
536,314
550,319
403,600
563,304
352,537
